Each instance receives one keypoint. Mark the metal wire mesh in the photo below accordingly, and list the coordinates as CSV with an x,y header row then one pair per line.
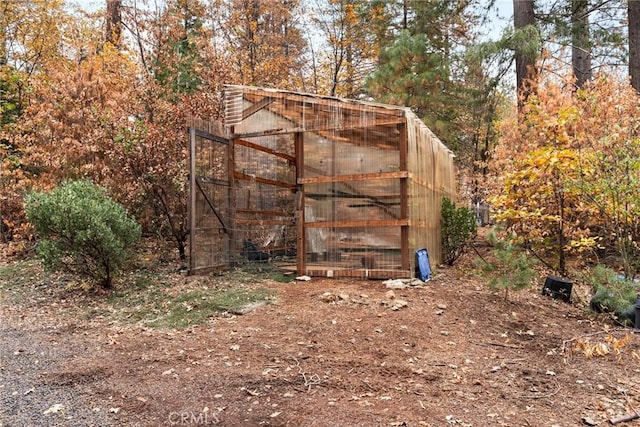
x,y
342,187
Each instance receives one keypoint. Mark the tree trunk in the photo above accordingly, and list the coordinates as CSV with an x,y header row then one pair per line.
x,y
113,27
523,16
580,41
634,43
405,13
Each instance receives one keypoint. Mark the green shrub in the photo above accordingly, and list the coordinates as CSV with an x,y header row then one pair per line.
x,y
458,228
509,267
82,230
612,293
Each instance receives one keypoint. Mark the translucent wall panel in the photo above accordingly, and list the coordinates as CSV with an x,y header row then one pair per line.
x,y
330,157
432,177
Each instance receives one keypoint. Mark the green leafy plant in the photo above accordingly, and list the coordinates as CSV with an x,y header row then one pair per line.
x,y
612,293
509,267
458,228
82,230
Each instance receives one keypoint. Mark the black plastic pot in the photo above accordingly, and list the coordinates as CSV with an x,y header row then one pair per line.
x,y
558,288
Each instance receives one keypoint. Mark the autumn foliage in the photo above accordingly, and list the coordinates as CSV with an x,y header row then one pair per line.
x,y
116,117
567,171
79,104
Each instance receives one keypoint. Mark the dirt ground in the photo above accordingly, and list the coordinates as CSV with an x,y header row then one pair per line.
x,y
324,353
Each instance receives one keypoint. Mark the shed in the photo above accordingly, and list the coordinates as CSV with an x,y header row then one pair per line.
x,y
328,186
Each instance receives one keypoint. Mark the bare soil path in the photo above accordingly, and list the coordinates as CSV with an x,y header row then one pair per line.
x,y
323,353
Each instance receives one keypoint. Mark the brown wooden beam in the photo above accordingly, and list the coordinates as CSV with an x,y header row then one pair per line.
x,y
338,272
266,221
269,132
212,181
264,149
264,212
230,244
210,136
356,177
421,183
248,112
211,205
240,175
356,224
321,128
301,245
355,195
356,124
323,101
404,198
192,199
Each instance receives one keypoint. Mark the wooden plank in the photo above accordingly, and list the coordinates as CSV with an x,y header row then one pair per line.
x,y
374,200
258,147
324,128
220,230
356,224
265,221
212,181
321,100
322,125
211,206
212,137
415,180
264,212
355,195
248,112
192,199
301,245
269,132
240,175
231,199
378,274
356,177
404,198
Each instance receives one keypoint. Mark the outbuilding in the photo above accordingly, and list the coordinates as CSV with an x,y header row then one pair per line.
x,y
330,187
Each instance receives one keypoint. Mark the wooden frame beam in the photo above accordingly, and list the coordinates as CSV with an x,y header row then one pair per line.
x,y
320,128
355,177
192,198
211,205
264,213
240,175
356,224
248,112
301,246
258,147
404,198
320,100
231,197
291,221
210,136
380,274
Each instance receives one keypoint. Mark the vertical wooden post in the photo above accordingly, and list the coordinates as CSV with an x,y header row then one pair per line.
x,y
231,197
404,197
192,198
301,240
